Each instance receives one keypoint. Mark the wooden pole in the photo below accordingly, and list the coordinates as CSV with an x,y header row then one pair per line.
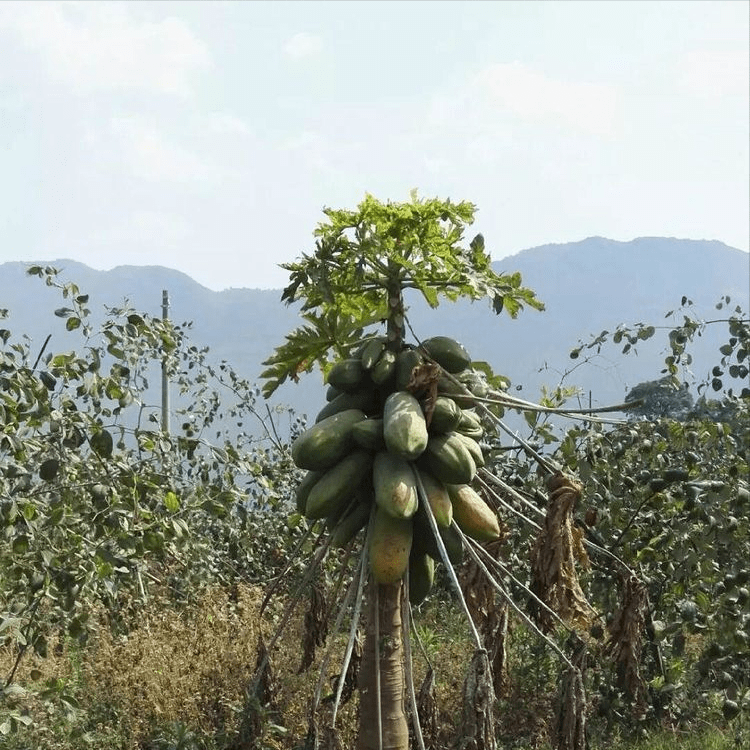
x,y
164,376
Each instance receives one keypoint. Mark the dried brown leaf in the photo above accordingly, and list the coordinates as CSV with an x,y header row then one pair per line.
x,y
316,627
625,641
558,547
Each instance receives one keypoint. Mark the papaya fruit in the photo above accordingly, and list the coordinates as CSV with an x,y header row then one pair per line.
x,y
473,447
342,509
389,547
455,391
421,577
448,353
331,393
368,434
371,351
406,361
437,497
326,442
448,459
424,539
470,424
303,489
404,427
395,485
384,368
472,515
364,400
446,415
347,375
332,492
351,524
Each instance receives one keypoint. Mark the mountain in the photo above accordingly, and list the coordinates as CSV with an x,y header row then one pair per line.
x,y
587,287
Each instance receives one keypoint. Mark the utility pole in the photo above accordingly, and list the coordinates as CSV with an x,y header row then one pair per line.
x,y
164,375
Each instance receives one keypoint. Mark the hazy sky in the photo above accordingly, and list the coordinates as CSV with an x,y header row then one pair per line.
x,y
208,136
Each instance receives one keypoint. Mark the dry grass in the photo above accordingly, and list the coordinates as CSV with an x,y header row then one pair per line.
x,y
188,665
192,664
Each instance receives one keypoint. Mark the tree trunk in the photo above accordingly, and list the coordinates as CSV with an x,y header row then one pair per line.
x,y
383,629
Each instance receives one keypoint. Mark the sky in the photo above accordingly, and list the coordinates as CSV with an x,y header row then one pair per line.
x,y
208,136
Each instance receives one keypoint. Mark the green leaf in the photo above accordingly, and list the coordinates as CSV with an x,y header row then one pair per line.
x,y
20,545
171,502
366,256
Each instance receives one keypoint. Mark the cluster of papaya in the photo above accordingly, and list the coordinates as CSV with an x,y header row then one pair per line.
x,y
377,449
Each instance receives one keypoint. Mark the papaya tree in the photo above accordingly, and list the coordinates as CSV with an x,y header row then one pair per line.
x,y
370,457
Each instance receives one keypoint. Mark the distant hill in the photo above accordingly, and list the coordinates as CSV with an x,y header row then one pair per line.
x,y
587,287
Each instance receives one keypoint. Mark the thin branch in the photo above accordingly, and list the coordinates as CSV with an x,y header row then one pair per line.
x,y
24,647
507,488
327,657
446,561
290,561
496,585
504,570
352,630
409,672
419,640
41,351
295,599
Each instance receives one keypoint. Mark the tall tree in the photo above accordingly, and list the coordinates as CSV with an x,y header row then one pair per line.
x,y
365,260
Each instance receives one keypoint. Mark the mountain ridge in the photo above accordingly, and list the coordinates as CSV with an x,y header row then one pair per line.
x,y
587,286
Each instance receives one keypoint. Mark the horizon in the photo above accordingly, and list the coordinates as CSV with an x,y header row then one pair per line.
x,y
171,269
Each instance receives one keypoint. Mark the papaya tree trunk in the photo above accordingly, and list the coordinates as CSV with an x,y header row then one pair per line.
x,y
383,646
382,691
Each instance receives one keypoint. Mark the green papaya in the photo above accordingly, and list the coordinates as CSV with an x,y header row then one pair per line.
x,y
424,539
404,427
406,361
326,442
446,415
448,459
470,424
395,485
437,497
332,492
347,375
368,434
421,577
472,515
389,546
364,400
473,447
304,487
449,354
351,524
384,368
371,351
455,391
332,392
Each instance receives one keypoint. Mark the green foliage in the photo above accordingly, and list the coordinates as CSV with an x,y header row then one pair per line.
x,y
666,498
363,256
734,354
98,505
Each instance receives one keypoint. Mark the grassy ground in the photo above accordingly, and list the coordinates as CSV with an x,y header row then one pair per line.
x,y
177,680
